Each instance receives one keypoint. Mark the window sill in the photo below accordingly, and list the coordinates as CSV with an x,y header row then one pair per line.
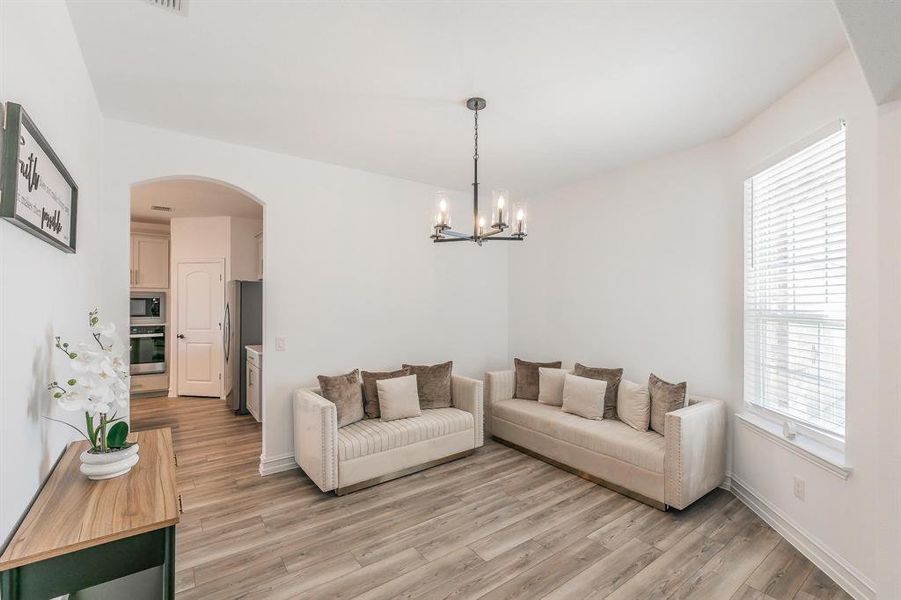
x,y
827,458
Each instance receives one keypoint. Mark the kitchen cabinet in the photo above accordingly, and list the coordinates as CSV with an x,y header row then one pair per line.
x,y
254,372
149,261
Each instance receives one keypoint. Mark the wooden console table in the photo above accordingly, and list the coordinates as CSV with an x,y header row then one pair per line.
x,y
80,533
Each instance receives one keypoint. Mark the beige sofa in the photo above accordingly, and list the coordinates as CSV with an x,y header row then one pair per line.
x,y
664,471
372,451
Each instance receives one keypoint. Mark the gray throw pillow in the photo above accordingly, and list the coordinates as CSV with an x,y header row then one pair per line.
x,y
345,392
371,392
665,397
433,384
527,377
611,376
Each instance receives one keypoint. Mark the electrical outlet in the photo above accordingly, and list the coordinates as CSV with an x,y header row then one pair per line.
x,y
799,488
281,343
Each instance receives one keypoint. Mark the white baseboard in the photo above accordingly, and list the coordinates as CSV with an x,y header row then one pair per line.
x,y
727,483
277,464
830,563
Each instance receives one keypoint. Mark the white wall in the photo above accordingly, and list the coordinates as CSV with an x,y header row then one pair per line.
x,y
244,247
637,269
352,279
642,268
889,406
43,291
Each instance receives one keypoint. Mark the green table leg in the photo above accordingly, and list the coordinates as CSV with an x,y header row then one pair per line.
x,y
169,565
9,588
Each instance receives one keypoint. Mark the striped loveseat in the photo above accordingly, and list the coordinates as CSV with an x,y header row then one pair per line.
x,y
372,451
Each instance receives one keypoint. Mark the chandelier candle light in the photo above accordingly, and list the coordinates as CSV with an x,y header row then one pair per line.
x,y
499,216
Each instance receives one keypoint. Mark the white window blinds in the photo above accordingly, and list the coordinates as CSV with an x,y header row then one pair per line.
x,y
795,286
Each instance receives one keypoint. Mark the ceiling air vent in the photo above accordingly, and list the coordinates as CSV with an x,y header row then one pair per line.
x,y
161,208
179,7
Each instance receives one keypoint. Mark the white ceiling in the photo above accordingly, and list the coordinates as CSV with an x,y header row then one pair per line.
x,y
573,88
190,198
875,32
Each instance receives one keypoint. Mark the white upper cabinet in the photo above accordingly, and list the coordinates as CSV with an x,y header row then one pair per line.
x,y
149,261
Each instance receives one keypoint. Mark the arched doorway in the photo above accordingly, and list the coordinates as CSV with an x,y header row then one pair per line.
x,y
196,302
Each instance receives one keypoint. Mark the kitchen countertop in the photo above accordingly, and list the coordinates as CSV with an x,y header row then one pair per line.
x,y
256,348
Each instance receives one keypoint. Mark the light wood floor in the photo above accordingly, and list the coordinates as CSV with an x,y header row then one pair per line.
x,y
494,525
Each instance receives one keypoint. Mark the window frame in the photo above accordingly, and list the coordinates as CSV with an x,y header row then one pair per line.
x,y
802,427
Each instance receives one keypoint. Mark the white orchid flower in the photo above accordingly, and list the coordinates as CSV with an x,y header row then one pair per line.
x,y
101,374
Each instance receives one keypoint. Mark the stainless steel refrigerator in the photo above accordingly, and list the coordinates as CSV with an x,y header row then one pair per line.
x,y
243,327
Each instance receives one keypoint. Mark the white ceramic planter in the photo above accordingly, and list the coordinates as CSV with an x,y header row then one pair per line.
x,y
110,464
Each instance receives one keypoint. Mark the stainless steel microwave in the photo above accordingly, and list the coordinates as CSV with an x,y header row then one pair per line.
x,y
148,308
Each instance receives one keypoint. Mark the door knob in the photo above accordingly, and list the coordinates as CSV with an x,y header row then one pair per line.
x,y
180,336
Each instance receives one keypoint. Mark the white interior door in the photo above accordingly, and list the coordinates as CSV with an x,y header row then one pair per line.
x,y
201,302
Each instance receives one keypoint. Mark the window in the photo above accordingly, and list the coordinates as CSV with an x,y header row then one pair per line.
x,y
795,286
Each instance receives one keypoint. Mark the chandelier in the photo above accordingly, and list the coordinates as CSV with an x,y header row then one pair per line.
x,y
499,216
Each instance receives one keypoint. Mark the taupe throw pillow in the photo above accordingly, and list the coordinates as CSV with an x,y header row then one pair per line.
x,y
527,377
665,397
371,392
345,392
611,376
433,383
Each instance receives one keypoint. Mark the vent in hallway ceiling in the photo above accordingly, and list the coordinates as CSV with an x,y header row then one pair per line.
x,y
179,7
161,208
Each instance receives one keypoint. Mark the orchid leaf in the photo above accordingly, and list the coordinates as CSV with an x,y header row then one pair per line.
x,y
117,435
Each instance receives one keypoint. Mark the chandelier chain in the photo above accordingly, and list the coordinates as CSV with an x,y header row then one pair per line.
x,y
475,154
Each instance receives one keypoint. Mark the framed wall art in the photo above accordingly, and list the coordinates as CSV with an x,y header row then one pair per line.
x,y
36,191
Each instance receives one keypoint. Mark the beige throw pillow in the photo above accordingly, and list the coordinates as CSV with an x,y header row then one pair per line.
x,y
665,397
550,385
633,405
611,376
371,391
346,393
584,396
398,398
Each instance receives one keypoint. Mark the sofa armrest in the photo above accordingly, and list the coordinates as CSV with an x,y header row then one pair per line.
x,y
695,460
499,385
315,438
468,395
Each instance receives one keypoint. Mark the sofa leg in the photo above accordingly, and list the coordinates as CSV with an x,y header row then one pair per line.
x,y
593,479
355,487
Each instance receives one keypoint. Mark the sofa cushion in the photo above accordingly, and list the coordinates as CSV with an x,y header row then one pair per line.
x,y
346,393
372,436
633,405
398,398
611,376
665,397
371,392
550,385
584,396
527,377
433,383
644,449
